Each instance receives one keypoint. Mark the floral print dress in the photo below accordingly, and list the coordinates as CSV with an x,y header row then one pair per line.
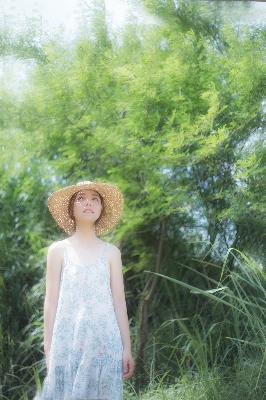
x,y
85,361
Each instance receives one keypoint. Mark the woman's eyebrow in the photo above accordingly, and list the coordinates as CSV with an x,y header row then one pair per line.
x,y
93,194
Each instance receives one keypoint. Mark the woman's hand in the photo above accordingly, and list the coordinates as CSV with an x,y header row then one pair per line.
x,y
128,364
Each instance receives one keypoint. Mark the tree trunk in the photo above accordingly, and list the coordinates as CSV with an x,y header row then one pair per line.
x,y
141,374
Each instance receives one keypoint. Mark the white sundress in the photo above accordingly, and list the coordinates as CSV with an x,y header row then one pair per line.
x,y
85,359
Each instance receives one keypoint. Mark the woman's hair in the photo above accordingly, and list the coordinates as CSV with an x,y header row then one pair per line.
x,y
71,207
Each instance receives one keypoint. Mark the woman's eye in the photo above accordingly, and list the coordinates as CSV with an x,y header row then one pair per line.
x,y
81,197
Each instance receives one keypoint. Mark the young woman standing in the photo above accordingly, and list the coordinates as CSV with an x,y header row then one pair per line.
x,y
86,329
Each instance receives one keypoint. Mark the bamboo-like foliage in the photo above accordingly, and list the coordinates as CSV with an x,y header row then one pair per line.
x,y
175,116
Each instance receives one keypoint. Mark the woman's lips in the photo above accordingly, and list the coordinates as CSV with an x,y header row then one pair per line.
x,y
87,210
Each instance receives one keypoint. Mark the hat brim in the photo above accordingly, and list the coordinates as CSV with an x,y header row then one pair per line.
x,y
113,200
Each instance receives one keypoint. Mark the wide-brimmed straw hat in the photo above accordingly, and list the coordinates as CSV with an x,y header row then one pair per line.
x,y
113,201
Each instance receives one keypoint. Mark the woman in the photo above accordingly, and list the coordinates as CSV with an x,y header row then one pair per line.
x,y
86,330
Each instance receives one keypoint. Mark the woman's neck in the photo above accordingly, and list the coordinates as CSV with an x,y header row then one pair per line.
x,y
85,235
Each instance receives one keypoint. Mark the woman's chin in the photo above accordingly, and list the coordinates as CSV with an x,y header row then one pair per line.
x,y
87,217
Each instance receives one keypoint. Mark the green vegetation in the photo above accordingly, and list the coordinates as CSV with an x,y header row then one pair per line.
x,y
175,116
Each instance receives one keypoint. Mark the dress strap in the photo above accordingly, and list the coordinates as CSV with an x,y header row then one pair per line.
x,y
105,250
105,256
65,257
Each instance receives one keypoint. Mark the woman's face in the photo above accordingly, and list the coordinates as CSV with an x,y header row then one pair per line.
x,y
87,205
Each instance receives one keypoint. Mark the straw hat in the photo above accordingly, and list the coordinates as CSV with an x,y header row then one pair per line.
x,y
113,203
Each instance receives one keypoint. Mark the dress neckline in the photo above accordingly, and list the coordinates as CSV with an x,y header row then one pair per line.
x,y
98,259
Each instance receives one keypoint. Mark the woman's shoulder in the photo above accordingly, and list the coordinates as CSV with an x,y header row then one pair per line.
x,y
57,247
113,248
57,244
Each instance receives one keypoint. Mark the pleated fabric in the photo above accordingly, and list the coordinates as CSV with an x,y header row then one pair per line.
x,y
85,361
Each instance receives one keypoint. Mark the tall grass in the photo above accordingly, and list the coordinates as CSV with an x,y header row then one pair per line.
x,y
229,343
219,352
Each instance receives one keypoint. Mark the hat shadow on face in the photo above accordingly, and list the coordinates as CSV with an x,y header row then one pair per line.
x,y
60,204
71,206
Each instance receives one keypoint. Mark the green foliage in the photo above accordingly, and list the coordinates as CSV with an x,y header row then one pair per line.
x,y
175,117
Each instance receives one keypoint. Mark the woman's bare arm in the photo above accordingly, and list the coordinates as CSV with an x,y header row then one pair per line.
x,y
118,294
53,271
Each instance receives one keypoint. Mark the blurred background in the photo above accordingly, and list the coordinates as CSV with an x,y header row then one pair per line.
x,y
167,100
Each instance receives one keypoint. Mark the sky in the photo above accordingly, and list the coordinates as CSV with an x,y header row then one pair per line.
x,y
65,16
